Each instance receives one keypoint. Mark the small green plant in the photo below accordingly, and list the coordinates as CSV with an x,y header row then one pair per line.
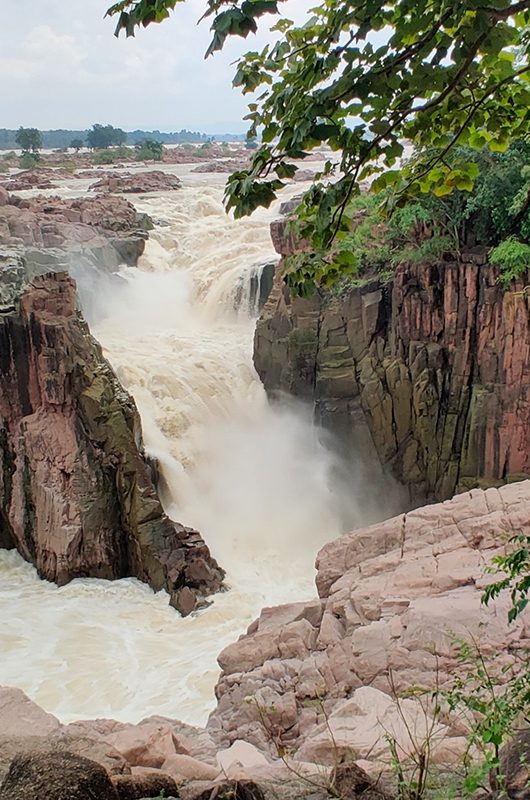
x,y
513,259
104,157
149,150
28,160
491,698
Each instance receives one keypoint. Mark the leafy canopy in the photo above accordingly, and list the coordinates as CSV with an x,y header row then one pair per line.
x,y
29,139
100,137
364,78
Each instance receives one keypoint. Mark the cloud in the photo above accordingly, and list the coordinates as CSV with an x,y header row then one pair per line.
x,y
69,71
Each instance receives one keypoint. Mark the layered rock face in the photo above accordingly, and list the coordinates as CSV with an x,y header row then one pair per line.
x,y
320,678
77,497
429,375
103,230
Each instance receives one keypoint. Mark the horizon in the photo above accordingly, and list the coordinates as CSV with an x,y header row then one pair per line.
x,y
60,70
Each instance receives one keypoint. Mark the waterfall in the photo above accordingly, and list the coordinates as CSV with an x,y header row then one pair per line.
x,y
259,481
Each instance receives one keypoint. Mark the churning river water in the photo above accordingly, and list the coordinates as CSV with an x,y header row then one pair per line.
x,y
257,480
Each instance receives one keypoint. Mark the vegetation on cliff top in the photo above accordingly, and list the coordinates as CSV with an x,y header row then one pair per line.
x,y
365,77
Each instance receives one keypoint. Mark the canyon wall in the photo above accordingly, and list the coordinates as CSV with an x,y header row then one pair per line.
x,y
77,497
428,375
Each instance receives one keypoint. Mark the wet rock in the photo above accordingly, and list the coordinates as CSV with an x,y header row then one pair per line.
x,y
56,776
76,493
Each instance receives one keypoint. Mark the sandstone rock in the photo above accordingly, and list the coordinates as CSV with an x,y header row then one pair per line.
x,y
139,787
20,716
104,230
393,598
240,755
147,745
56,776
138,183
77,497
181,766
4,196
101,752
226,165
429,376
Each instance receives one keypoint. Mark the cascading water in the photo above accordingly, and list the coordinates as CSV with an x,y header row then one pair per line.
x,y
256,480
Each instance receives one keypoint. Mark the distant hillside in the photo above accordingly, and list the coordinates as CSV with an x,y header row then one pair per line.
x,y
54,140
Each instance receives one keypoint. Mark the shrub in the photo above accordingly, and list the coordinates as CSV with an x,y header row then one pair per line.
x,y
513,259
28,160
104,157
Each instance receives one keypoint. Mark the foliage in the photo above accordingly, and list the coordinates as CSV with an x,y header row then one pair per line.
x,y
491,697
28,160
77,144
365,77
149,150
102,136
102,157
513,259
29,139
516,568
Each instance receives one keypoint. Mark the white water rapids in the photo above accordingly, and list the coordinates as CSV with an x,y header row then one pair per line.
x,y
256,480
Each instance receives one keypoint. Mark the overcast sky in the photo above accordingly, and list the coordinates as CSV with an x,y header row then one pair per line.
x,y
61,67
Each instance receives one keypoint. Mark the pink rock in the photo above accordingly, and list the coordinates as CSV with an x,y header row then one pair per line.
x,y
146,745
20,716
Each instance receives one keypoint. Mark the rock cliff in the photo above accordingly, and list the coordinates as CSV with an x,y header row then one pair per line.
x,y
320,678
429,375
76,494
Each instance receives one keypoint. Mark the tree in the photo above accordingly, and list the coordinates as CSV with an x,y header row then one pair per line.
x,y
100,137
366,77
149,150
29,139
76,144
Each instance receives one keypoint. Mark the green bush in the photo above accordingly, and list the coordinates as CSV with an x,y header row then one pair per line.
x,y
104,157
513,259
149,150
28,160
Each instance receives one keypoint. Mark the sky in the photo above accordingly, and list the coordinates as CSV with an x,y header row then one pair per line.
x,y
61,67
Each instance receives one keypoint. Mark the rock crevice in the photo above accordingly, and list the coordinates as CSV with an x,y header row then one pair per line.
x,y
428,376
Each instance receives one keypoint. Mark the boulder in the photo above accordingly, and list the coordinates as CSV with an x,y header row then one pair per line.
x,y
56,776
101,752
181,767
20,716
138,787
137,183
77,494
230,790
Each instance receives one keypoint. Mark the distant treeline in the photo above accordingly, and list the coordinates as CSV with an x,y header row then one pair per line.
x,y
56,140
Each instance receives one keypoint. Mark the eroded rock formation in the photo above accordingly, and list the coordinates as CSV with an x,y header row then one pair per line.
x,y
429,374
320,678
138,183
76,494
104,230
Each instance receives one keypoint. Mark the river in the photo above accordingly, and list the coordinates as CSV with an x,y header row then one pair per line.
x,y
259,481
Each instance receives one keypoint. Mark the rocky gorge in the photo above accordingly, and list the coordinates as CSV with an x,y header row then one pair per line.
x,y
428,374
78,496
410,374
